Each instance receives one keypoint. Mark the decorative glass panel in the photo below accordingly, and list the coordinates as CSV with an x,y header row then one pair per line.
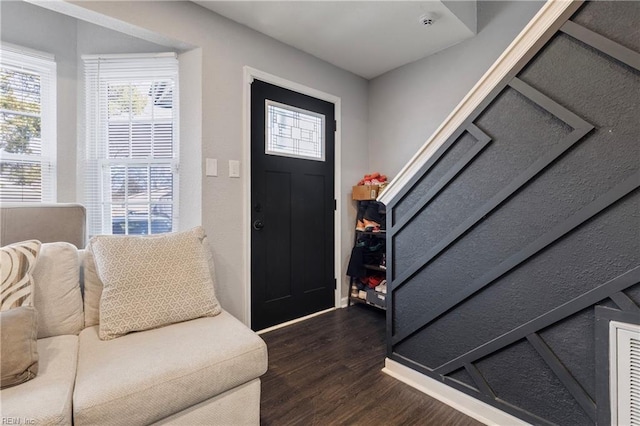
x,y
294,132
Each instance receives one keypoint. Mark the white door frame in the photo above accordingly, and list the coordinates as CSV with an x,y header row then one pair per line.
x,y
249,75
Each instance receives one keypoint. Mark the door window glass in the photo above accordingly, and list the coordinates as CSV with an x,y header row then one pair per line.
x,y
294,132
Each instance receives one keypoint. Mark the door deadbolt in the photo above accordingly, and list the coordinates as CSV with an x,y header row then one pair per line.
x,y
258,225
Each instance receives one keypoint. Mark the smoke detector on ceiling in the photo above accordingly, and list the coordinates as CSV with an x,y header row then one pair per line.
x,y
427,19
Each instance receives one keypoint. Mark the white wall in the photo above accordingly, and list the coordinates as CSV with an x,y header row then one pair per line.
x,y
408,104
466,11
226,48
190,75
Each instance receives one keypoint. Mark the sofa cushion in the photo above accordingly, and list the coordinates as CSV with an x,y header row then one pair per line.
x,y
16,266
57,290
93,285
19,347
144,377
152,281
19,318
46,400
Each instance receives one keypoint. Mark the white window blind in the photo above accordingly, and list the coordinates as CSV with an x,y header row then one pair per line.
x,y
27,125
131,166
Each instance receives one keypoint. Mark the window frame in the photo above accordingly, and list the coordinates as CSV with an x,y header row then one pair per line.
x,y
133,68
30,61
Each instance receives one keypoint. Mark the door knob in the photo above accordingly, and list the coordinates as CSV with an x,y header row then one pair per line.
x,y
258,225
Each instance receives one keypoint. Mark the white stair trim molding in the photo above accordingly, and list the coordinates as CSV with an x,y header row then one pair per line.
x,y
460,401
550,12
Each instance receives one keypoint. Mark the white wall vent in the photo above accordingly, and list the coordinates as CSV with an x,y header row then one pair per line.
x,y
624,368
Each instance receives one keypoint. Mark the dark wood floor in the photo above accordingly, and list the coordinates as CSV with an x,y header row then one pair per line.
x,y
326,371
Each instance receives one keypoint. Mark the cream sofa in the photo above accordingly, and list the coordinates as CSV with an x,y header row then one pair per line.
x,y
203,371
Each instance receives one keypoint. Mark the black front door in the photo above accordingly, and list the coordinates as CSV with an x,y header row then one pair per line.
x,y
292,205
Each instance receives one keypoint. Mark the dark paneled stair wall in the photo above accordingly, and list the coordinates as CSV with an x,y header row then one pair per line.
x,y
520,238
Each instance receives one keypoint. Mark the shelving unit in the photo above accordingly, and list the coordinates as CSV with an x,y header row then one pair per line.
x,y
369,295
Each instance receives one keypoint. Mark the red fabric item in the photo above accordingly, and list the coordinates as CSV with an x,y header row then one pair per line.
x,y
375,280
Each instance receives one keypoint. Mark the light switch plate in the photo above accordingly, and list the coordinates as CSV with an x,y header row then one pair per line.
x,y
234,168
211,167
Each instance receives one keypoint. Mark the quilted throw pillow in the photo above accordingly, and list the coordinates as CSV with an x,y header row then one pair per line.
x,y
152,281
18,318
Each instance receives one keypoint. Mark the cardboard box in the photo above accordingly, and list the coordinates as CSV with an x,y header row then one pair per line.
x,y
365,192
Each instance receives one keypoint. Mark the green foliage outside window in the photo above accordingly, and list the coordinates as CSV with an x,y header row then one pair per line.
x,y
20,125
125,99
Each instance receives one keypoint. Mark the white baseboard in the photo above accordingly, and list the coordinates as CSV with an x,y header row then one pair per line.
x,y
462,402
284,324
343,304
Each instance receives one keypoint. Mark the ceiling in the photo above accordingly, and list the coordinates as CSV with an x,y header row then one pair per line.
x,y
367,38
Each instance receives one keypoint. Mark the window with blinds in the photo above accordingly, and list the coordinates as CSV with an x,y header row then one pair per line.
x,y
131,166
27,125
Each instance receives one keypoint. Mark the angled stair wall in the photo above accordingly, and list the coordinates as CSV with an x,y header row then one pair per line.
x,y
515,240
